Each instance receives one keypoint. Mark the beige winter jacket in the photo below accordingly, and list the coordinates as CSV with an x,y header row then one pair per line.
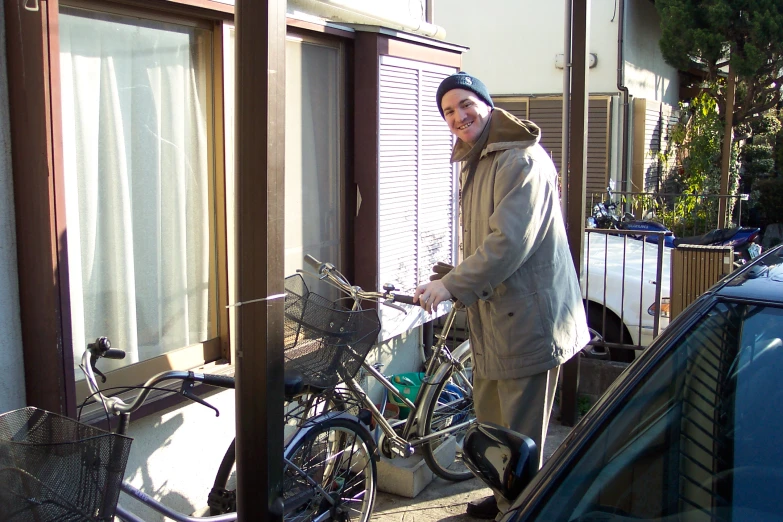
x,y
517,278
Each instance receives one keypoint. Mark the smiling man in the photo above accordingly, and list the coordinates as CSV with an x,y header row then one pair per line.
x,y
517,279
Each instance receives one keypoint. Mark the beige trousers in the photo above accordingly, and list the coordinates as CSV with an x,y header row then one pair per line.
x,y
523,405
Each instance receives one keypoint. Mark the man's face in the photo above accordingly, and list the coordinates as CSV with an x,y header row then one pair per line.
x,y
466,114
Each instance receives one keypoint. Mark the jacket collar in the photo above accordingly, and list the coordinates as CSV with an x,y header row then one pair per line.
x,y
504,131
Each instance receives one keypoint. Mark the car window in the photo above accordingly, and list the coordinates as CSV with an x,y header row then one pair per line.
x,y
697,439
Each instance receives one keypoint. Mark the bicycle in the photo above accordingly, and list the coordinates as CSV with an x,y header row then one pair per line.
x,y
443,408
323,344
58,469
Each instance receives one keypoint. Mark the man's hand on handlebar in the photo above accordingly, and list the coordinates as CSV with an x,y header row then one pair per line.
x,y
430,295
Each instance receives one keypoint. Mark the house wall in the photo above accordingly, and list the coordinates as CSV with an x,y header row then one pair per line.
x,y
647,75
12,393
513,47
165,443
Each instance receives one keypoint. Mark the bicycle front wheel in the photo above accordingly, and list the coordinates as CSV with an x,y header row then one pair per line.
x,y
330,473
451,405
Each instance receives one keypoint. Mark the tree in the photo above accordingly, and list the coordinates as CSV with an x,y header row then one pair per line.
x,y
742,39
748,34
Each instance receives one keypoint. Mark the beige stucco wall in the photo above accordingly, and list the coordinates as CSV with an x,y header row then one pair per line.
x,y
647,75
513,45
175,454
12,394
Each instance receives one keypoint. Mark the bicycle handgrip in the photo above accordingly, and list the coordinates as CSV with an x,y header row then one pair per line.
x,y
222,381
404,299
113,353
313,262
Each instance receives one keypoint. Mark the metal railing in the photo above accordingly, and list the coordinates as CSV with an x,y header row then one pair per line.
x,y
683,214
625,285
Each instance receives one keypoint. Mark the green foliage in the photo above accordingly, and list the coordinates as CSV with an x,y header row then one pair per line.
x,y
749,31
767,124
758,160
778,154
583,404
770,199
748,34
702,143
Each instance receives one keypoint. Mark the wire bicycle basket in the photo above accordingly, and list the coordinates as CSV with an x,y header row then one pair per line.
x,y
323,340
53,468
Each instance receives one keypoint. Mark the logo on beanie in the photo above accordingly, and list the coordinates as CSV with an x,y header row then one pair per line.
x,y
469,80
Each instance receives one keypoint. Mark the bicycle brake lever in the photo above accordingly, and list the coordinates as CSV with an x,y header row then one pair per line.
x,y
185,392
396,307
93,360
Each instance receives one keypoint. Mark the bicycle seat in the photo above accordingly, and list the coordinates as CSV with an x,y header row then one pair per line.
x,y
294,383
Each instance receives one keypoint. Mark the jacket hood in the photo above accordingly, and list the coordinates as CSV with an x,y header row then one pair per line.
x,y
504,131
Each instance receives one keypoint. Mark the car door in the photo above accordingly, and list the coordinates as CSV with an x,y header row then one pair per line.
x,y
696,438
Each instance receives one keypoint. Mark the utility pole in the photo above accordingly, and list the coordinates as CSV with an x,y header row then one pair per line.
x,y
576,168
725,163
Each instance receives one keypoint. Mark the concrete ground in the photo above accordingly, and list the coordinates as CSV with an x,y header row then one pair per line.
x,y
445,501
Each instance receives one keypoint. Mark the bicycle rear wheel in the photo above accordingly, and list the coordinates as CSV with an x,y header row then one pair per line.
x,y
452,404
337,455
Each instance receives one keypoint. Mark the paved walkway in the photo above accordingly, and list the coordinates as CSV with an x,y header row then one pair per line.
x,y
445,501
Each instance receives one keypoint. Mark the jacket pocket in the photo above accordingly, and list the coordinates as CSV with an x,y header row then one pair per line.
x,y
517,325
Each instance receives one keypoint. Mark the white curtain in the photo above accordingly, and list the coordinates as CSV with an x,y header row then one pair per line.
x,y
140,253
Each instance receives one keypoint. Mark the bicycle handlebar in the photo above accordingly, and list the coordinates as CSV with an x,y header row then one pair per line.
x,y
102,348
330,272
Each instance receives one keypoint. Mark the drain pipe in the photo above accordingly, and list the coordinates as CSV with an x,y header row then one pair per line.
x,y
358,12
622,88
565,159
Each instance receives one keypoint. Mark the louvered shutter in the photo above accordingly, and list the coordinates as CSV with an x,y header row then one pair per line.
x,y
547,113
417,194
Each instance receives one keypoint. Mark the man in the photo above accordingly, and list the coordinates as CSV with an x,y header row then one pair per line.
x,y
517,278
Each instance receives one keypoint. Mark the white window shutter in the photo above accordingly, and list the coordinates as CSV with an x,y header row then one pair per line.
x,y
417,183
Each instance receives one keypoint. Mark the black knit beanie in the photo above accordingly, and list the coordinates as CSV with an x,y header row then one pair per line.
x,y
463,80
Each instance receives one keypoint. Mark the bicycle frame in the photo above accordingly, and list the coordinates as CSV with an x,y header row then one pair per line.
x,y
437,369
403,445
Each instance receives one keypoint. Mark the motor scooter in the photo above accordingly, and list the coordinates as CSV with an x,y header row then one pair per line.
x,y
742,239
605,216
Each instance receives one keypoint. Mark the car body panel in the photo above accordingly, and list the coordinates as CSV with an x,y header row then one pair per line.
x,y
758,283
621,273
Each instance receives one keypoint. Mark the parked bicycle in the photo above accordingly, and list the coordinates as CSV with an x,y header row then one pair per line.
x,y
330,458
439,416
54,468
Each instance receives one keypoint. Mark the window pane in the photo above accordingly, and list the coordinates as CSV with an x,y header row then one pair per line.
x,y
698,439
135,96
312,154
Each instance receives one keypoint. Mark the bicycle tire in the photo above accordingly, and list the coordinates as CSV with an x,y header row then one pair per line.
x,y
451,403
338,454
222,498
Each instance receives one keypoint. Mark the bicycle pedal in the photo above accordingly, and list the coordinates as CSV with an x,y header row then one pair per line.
x,y
400,448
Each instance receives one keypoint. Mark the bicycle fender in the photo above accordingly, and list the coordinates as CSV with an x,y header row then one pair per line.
x,y
419,419
313,423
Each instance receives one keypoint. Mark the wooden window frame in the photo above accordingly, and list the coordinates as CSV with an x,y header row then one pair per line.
x,y
37,163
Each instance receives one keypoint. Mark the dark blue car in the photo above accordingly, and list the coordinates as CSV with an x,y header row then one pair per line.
x,y
692,431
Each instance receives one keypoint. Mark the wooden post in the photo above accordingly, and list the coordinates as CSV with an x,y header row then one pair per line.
x,y
260,159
